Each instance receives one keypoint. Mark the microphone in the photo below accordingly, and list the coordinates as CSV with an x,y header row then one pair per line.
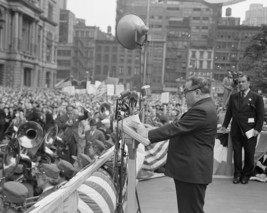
x,y
134,96
125,94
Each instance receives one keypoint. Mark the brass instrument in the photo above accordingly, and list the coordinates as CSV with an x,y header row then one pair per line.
x,y
11,158
30,137
51,135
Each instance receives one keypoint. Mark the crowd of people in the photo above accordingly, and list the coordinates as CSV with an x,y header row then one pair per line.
x,y
83,122
85,126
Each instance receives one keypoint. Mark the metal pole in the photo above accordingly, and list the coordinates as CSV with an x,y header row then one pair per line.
x,y
145,47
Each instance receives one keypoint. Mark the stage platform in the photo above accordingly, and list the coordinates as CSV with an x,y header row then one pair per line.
x,y
158,196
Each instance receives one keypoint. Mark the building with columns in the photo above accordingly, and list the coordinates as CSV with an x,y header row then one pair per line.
x,y
28,43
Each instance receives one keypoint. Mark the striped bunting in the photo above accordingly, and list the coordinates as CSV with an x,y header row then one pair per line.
x,y
155,155
97,194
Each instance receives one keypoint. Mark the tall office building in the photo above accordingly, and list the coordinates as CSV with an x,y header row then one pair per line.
x,y
256,15
231,42
175,27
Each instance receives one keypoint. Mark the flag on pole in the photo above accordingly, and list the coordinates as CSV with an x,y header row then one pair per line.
x,y
63,83
101,90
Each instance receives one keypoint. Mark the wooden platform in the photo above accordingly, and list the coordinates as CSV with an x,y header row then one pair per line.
x,y
222,196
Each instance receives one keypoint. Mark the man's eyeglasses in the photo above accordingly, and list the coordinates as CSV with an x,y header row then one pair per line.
x,y
189,90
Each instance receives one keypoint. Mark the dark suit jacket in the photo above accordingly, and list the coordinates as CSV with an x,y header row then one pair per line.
x,y
99,135
190,152
71,132
246,113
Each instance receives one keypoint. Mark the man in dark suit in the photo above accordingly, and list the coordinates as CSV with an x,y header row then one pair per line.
x,y
246,109
190,152
2,121
93,134
69,123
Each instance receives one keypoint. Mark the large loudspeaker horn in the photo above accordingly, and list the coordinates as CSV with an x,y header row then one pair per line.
x,y
131,32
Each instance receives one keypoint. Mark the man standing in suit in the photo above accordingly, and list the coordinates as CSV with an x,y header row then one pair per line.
x,y
246,109
69,123
93,134
190,152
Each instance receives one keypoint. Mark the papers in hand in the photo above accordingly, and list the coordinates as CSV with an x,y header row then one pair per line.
x,y
129,126
250,133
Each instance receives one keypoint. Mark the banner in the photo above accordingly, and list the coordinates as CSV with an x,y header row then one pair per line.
x,y
112,80
70,90
97,84
90,88
119,89
101,90
110,89
165,97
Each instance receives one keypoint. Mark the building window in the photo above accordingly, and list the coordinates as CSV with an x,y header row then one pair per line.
x,y
106,48
193,54
106,58
136,70
98,70
48,80
208,64
113,71
120,70
209,55
201,64
50,12
105,72
27,77
114,58
63,62
201,54
129,71
49,46
26,34
1,74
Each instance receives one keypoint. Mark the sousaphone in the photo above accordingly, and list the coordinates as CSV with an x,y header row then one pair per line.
x,y
11,158
30,136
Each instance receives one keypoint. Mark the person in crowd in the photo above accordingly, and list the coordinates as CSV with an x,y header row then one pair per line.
x,y
96,149
191,142
228,87
69,123
2,121
261,166
47,176
67,171
246,109
15,195
93,134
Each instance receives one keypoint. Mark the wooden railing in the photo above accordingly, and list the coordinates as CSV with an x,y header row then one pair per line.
x,y
55,201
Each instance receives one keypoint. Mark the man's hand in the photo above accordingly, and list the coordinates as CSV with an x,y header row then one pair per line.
x,y
141,130
256,133
223,129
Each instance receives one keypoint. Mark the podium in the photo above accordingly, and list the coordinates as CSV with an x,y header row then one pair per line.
x,y
132,140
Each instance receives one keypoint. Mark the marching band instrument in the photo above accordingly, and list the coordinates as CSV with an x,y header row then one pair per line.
x,y
51,135
30,135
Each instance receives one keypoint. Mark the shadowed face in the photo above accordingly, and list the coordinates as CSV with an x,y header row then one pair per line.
x,y
243,83
190,93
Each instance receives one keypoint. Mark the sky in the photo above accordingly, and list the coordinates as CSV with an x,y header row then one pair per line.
x,y
102,13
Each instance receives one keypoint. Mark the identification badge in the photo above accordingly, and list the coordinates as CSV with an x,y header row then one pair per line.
x,y
251,120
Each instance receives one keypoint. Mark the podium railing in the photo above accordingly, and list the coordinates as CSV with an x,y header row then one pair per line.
x,y
55,201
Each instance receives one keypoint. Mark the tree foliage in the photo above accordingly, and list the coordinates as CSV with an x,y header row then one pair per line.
x,y
254,61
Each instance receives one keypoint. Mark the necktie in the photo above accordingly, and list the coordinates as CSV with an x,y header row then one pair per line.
x,y
243,94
